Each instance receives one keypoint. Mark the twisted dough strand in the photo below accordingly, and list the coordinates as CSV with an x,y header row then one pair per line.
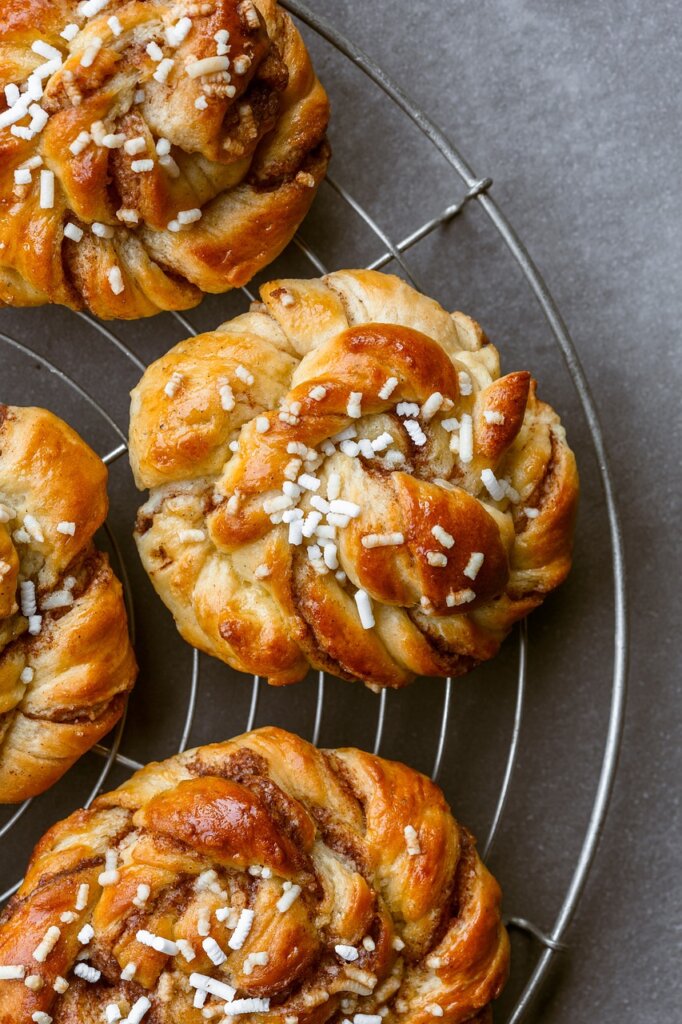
x,y
353,388
331,883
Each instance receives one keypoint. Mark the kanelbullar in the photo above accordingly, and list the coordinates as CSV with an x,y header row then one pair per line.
x,y
258,880
66,662
341,478
151,151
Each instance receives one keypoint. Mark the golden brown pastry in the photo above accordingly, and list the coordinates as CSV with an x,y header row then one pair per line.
x,y
290,883
66,663
151,151
341,478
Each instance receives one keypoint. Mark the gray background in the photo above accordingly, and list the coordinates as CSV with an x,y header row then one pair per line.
x,y
571,108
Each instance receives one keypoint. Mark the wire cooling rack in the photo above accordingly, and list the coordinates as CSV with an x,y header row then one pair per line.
x,y
37,367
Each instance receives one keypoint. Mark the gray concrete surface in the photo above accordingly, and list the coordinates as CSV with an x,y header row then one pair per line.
x,y
573,110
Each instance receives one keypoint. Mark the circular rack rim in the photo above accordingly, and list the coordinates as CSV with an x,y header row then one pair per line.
x,y
477,188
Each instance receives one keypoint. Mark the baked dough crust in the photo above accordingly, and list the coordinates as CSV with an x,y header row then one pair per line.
x,y
221,559
235,825
251,160
80,665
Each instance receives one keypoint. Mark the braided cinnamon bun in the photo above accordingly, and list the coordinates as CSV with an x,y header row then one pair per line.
x,y
151,150
341,478
262,880
66,662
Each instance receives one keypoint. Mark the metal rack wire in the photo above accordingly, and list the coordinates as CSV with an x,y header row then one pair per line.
x,y
478,189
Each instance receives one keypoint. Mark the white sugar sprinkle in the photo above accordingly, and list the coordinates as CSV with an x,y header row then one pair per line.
x,y
241,932
80,142
348,953
115,25
89,8
382,442
492,485
22,176
531,513
240,1006
82,896
87,973
437,559
465,385
142,166
255,960
349,448
154,51
172,386
354,407
60,985
186,950
459,597
69,32
213,951
91,51
163,70
317,393
115,278
73,232
308,482
493,416
388,388
288,897
345,508
220,989
27,598
86,934
412,840
243,374
474,564
112,1013
157,942
142,895
442,536
466,439
46,190
382,540
432,405
47,944
364,606
407,409
134,146
226,397
44,49
129,971
415,431
40,1017
33,527
177,33
26,676
138,1010
207,66
113,140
